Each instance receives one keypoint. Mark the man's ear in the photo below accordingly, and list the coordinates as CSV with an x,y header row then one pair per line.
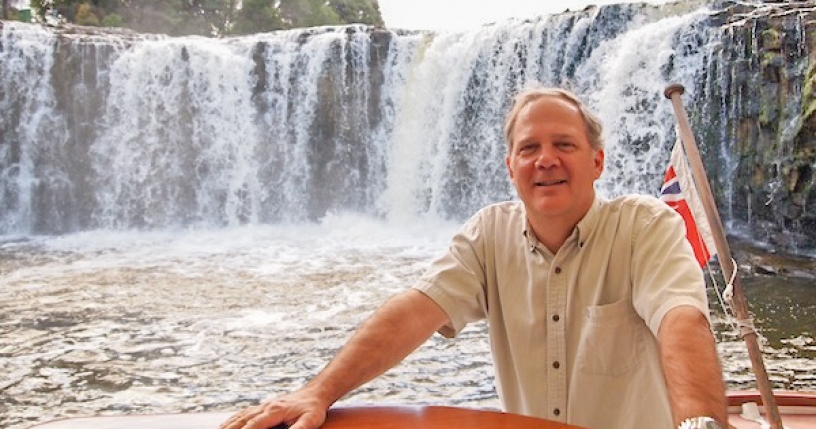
x,y
509,168
599,163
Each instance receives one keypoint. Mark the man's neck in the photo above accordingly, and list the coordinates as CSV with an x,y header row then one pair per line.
x,y
552,233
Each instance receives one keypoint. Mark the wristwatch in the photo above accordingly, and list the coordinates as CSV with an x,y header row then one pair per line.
x,y
699,423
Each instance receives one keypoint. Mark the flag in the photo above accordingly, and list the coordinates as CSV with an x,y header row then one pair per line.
x,y
679,193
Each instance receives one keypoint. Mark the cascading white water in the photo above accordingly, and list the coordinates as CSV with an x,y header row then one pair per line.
x,y
155,132
28,115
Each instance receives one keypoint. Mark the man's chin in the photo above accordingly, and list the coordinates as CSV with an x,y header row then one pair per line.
x,y
545,207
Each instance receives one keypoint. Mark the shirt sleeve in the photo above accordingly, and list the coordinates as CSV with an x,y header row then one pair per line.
x,y
456,281
665,272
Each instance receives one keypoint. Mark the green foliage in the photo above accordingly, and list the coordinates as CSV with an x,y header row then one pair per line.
x,y
12,14
40,8
358,11
85,15
257,16
808,94
113,20
772,39
208,17
307,13
174,17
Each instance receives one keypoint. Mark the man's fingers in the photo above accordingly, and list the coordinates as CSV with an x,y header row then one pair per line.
x,y
250,418
236,420
292,411
308,421
266,419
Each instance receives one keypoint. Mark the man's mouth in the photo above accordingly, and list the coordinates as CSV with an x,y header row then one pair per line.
x,y
550,182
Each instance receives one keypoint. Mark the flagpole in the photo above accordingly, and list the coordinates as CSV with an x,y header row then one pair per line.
x,y
738,302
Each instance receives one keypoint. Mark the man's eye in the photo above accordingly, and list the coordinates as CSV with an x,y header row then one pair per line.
x,y
526,148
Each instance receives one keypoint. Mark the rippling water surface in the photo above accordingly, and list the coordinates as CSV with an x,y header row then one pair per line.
x,y
115,323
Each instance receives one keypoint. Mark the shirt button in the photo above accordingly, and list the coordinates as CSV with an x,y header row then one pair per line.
x,y
558,270
557,411
556,365
556,318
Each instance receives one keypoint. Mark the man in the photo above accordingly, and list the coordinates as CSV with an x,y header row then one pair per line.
x,y
597,310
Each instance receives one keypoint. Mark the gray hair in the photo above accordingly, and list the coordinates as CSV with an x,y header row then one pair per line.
x,y
527,96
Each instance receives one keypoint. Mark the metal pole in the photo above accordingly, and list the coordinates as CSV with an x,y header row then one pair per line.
x,y
739,304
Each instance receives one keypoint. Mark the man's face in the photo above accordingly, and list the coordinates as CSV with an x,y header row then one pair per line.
x,y
551,162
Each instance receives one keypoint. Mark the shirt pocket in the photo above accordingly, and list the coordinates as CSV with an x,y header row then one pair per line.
x,y
611,342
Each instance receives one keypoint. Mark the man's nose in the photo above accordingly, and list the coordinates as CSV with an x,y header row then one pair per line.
x,y
547,157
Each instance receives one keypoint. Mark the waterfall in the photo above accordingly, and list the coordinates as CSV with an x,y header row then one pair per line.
x,y
122,131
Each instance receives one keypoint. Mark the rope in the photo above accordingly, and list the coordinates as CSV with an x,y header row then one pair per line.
x,y
746,327
726,297
726,308
728,293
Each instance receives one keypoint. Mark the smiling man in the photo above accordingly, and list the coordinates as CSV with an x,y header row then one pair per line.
x,y
554,157
596,308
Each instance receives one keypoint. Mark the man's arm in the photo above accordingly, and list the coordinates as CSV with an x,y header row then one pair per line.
x,y
691,366
397,328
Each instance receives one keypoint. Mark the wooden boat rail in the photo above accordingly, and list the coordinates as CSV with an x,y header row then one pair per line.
x,y
361,417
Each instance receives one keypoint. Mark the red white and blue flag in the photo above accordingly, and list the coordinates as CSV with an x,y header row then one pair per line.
x,y
679,192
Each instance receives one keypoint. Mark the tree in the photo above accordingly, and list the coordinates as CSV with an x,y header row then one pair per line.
x,y
358,11
173,17
208,17
87,15
257,16
307,13
90,12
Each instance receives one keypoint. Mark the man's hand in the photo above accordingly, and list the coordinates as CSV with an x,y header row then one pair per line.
x,y
299,410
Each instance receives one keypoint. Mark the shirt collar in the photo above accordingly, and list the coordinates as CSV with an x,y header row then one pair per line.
x,y
590,221
582,231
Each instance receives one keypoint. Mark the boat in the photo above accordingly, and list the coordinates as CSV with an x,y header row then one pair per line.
x,y
797,409
359,417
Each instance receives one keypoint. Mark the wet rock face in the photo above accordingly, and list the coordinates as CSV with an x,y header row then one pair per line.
x,y
766,76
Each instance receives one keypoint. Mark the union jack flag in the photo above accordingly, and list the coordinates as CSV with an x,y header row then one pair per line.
x,y
679,192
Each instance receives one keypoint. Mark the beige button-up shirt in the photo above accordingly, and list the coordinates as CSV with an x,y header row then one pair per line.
x,y
573,334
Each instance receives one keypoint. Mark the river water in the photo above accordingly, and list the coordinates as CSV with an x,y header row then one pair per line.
x,y
102,323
